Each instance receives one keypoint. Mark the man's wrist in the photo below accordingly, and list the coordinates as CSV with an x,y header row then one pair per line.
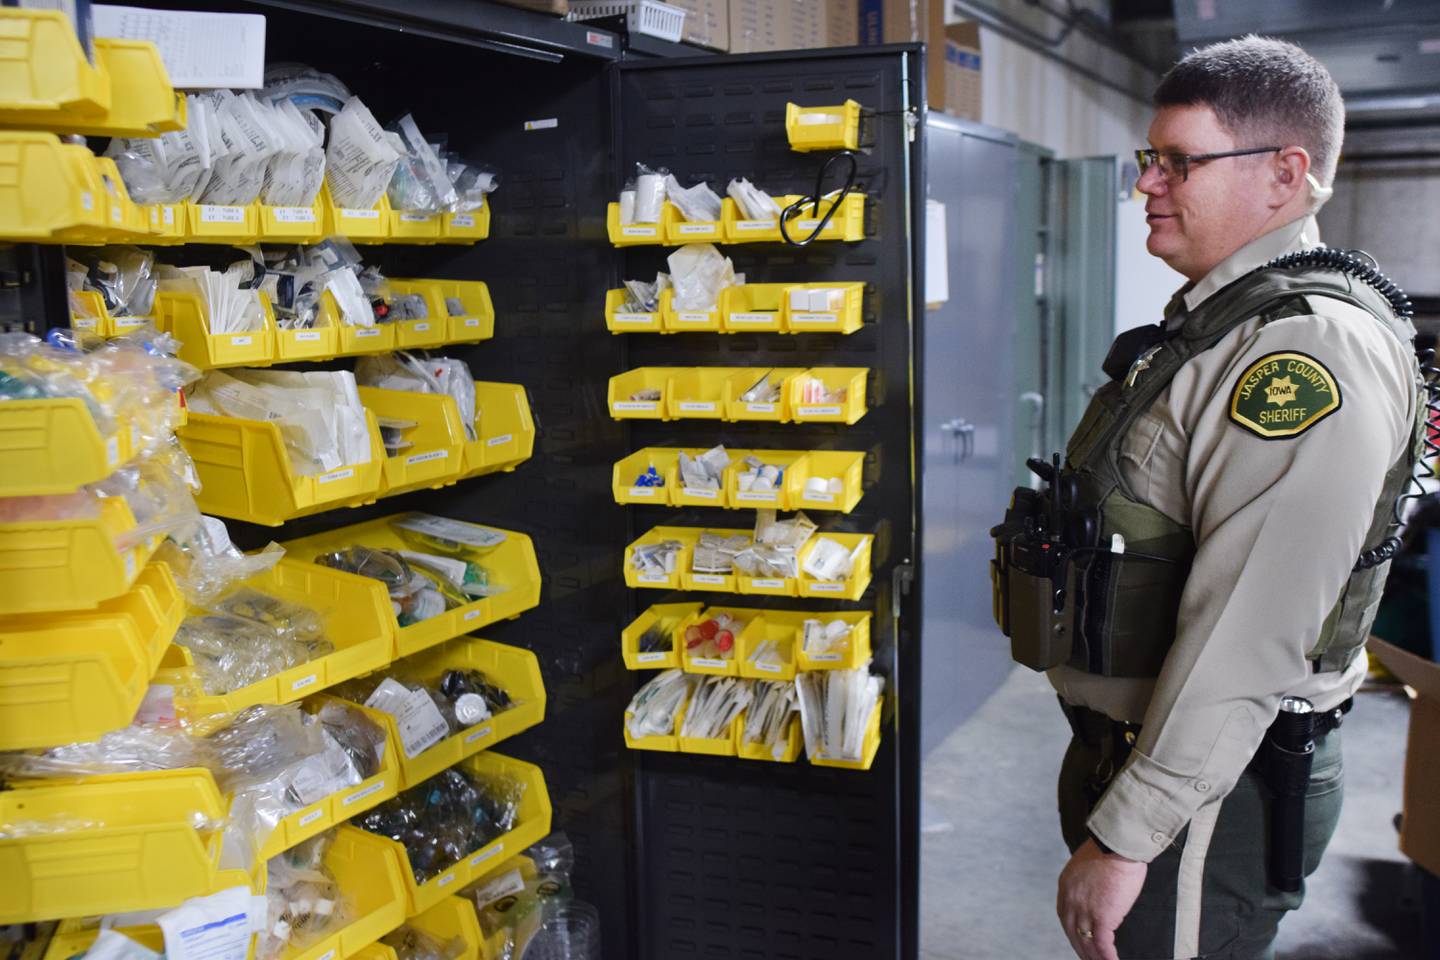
x,y
1100,843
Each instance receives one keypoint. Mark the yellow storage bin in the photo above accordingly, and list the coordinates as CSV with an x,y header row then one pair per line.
x,y
48,565
49,191
505,430
45,75
623,321
465,227
849,410
302,224
514,669
54,446
372,881
169,222
126,220
754,626
790,746
776,411
627,471
668,617
421,333
454,918
686,536
844,465
356,613
360,226
663,743
687,321
753,308
860,546
142,101
133,846
683,496
408,226
73,937
338,806
246,474
320,342
634,234
869,748
847,319
625,386
353,340
532,823
740,229
468,309
677,230
70,677
778,498
184,315
848,224
857,645
697,393
823,128
766,586
725,746
222,222
511,564
784,633
437,439
87,310
721,582
119,326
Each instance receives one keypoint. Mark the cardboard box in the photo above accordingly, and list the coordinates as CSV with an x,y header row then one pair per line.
x,y
707,22
896,21
842,23
758,26
954,79
1420,832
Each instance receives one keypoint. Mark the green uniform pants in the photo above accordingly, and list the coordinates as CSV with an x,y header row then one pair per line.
x,y
1209,887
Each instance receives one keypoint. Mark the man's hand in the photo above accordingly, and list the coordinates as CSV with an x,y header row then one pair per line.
x,y
1097,890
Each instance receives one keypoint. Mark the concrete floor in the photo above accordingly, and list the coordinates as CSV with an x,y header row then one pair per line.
x,y
991,847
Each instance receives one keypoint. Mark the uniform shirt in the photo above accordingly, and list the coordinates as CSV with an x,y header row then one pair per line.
x,y
1278,524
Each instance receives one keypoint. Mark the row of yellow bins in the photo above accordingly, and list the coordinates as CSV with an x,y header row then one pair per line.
x,y
716,393
457,311
246,473
783,627
847,224
793,493
734,744
57,192
860,546
748,308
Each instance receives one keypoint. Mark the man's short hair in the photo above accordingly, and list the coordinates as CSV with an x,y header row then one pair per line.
x,y
1266,92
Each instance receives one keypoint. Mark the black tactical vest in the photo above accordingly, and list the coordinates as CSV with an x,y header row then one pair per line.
x,y
1100,588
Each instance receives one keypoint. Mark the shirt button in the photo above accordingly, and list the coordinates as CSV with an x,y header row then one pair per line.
x,y
1159,837
1202,785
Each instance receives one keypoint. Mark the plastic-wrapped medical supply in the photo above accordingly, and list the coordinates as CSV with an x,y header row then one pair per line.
x,y
206,563
440,375
158,494
656,558
412,943
814,390
306,87
124,276
698,272
653,709
764,390
297,279
414,596
472,183
648,193
835,709
705,472
305,903
232,651
760,476
776,551
714,637
319,413
421,182
535,914
754,203
445,818
825,641
171,167
830,560
696,204
642,297
429,708
715,705
716,553
228,305
767,721
138,748
360,157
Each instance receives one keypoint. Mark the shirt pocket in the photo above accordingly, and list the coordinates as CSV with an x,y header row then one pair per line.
x,y
1137,453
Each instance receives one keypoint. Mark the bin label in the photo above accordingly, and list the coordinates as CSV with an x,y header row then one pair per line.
x,y
827,587
649,657
645,492
127,323
462,220
693,318
753,317
210,213
696,406
359,214
754,225
484,855
310,817
653,578
767,667
821,497
634,231
703,494
293,214
711,578
826,411
635,405
446,880
367,332
420,327
503,438
307,336
634,318
303,682
112,450
814,318
760,407
416,217
426,456
694,228
241,341
825,657
482,732
334,475
362,794
708,662
768,496
768,584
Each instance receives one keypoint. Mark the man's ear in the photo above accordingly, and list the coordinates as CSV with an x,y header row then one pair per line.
x,y
1288,175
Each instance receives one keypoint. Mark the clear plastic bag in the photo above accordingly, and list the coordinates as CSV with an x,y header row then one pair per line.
x,y
697,204
412,943
835,708
649,194
715,705
124,277
472,183
420,182
438,375
653,708
360,158
767,721
206,563
754,203
414,594
232,652
305,903
698,272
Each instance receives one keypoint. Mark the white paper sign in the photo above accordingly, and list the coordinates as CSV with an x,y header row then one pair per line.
x,y
216,927
200,50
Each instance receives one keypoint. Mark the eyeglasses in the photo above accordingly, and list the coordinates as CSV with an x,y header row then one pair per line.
x,y
1175,167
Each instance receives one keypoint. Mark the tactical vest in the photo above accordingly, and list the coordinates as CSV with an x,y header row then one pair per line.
x,y
1088,575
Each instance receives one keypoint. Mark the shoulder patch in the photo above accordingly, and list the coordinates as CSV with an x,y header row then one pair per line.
x,y
1282,395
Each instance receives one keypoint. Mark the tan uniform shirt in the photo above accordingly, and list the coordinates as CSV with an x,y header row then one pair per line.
x,y
1278,524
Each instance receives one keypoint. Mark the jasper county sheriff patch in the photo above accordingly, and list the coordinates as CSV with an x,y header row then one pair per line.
x,y
1282,395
